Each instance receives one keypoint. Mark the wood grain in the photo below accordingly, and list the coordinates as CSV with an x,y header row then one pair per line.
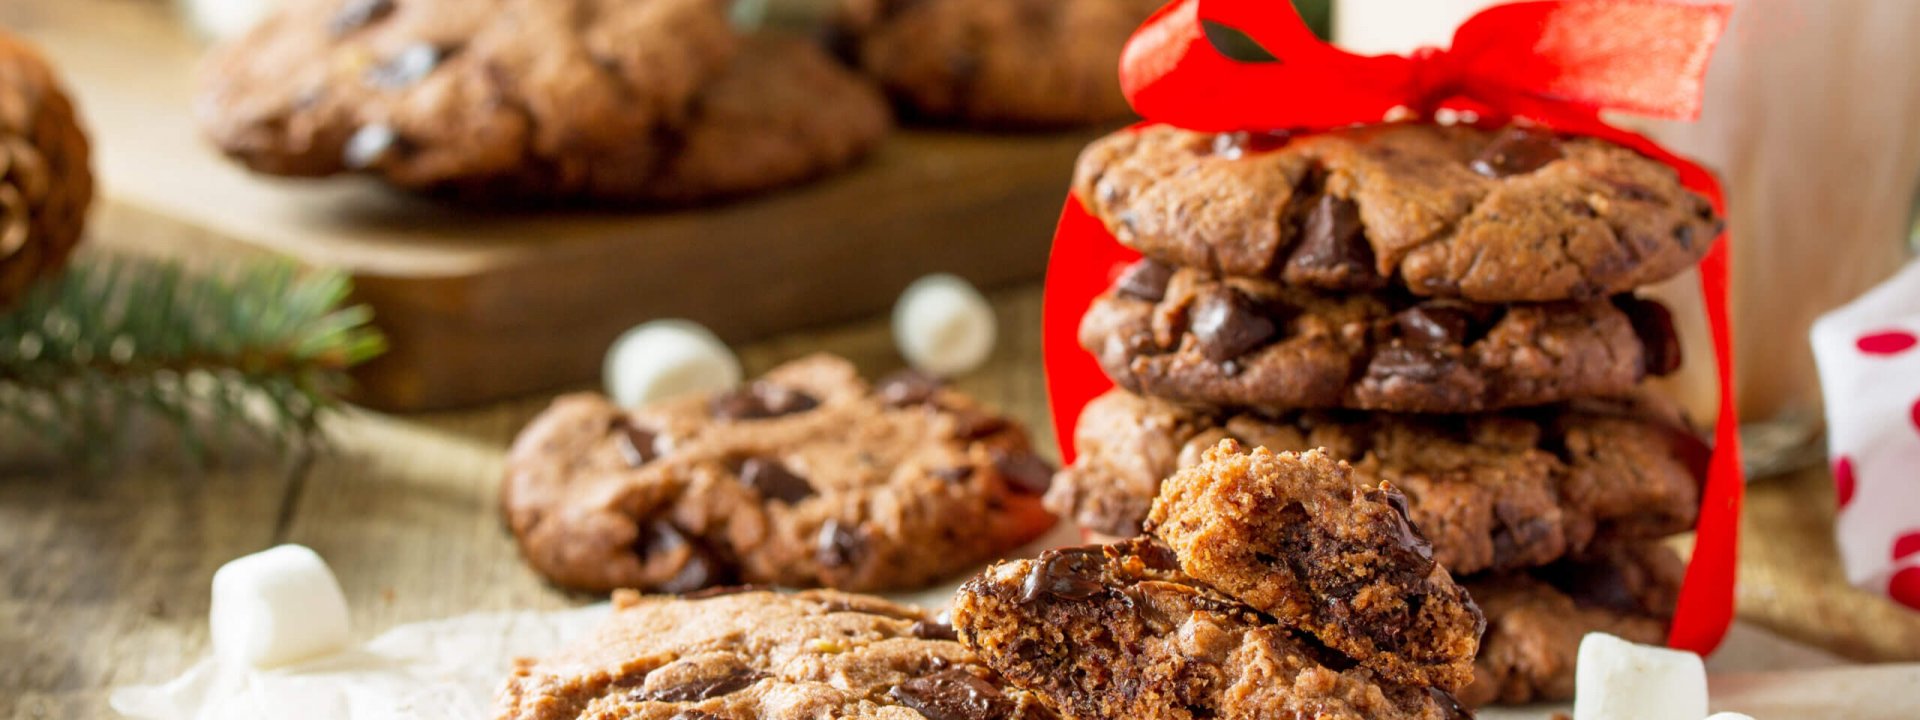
x,y
485,305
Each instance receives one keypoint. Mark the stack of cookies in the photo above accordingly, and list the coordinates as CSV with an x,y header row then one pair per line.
x,y
1448,308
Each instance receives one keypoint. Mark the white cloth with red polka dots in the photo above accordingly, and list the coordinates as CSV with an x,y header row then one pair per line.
x,y
1869,357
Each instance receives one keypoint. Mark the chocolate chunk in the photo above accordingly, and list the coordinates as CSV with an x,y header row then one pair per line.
x,y
1145,280
952,695
954,474
1515,536
760,401
698,567
1404,530
1449,704
774,481
837,545
937,629
1409,363
638,446
1228,325
838,605
358,14
1332,249
1433,324
971,424
1068,574
1653,324
908,387
1593,584
1517,151
406,68
735,680
1025,471
1236,145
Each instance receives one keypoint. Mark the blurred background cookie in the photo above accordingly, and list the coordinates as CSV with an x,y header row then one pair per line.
x,y
995,63
575,100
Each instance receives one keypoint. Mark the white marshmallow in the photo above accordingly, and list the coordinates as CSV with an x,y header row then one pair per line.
x,y
227,19
1619,680
1729,716
944,326
667,358
277,607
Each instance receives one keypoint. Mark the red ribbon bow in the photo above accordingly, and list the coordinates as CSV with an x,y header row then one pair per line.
x,y
1555,64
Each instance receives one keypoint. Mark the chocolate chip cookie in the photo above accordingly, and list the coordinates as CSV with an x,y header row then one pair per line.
x,y
1119,632
996,63
1535,620
764,656
782,112
806,477
1184,335
1297,537
603,101
46,182
1503,491
1507,215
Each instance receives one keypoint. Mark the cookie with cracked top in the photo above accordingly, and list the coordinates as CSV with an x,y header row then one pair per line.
x,y
1493,492
1119,632
534,101
806,477
764,656
1297,536
1187,336
1489,215
996,63
1535,620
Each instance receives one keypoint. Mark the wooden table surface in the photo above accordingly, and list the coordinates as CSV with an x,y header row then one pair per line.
x,y
105,578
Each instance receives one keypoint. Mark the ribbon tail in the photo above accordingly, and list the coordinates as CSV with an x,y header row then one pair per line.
x,y
1647,57
1085,261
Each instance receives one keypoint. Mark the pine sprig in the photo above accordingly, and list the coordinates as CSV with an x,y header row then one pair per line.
x,y
258,349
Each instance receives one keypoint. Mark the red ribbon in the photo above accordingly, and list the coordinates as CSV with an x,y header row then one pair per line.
x,y
1555,64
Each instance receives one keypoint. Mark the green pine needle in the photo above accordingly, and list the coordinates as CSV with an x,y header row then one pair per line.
x,y
260,349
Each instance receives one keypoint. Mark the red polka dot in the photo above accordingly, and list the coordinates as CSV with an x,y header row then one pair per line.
x,y
1843,480
1916,414
1905,545
1905,587
1891,342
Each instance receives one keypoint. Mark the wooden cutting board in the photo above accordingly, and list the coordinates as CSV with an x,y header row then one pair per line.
x,y
480,306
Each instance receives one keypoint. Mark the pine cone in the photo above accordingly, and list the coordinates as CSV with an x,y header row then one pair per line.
x,y
45,183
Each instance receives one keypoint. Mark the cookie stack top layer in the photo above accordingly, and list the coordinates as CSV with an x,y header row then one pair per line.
x,y
1492,216
601,100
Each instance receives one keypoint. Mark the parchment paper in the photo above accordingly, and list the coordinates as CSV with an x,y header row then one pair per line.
x,y
449,670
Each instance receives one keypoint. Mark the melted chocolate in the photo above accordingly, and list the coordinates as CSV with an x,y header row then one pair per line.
x,y
953,694
1228,325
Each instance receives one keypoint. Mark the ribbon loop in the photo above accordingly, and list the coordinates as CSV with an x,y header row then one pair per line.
x,y
1538,60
